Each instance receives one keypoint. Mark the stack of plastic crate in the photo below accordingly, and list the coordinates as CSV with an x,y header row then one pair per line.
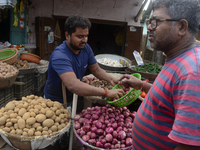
x,y
39,83
6,95
24,85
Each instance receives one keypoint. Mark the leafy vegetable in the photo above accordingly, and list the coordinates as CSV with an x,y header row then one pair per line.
x,y
151,67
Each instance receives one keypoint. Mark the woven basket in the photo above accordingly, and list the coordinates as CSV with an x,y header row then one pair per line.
x,y
128,98
7,82
13,58
87,146
39,142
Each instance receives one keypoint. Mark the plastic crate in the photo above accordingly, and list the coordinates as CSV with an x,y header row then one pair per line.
x,y
25,87
39,81
2,96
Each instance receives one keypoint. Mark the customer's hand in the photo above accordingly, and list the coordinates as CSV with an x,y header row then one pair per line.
x,y
131,81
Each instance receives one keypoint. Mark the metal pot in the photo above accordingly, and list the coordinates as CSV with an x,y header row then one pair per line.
x,y
114,57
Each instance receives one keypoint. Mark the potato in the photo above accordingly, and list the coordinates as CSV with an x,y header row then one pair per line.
x,y
19,132
26,115
32,114
58,112
30,121
13,115
48,123
10,106
45,133
54,128
30,132
35,125
39,128
9,124
57,104
6,129
40,117
25,134
58,119
12,131
22,111
21,123
2,120
49,113
38,133
49,103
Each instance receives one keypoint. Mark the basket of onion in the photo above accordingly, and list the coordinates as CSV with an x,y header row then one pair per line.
x,y
105,127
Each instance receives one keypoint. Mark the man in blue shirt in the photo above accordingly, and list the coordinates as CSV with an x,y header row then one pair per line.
x,y
69,62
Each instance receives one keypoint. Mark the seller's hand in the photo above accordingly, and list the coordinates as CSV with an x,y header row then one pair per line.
x,y
115,93
131,81
114,81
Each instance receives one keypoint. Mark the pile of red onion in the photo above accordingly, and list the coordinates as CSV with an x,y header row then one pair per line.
x,y
105,127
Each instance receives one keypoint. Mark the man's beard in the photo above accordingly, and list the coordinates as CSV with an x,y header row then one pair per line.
x,y
74,46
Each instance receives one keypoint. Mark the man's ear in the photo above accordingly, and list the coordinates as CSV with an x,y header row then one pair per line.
x,y
183,26
67,35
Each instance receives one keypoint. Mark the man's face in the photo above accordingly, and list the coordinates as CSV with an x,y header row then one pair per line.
x,y
78,39
163,37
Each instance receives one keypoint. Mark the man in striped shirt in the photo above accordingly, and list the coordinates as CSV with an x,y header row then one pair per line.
x,y
169,116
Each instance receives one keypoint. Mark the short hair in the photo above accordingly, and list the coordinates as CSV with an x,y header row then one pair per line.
x,y
74,21
182,9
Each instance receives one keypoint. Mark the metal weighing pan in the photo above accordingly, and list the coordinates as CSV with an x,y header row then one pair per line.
x,y
114,57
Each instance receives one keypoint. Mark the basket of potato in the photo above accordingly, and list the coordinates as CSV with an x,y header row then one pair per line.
x,y
8,75
33,122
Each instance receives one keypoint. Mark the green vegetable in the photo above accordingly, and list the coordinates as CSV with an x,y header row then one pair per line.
x,y
151,67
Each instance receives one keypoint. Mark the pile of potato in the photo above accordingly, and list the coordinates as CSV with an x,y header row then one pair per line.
x,y
7,71
22,64
33,116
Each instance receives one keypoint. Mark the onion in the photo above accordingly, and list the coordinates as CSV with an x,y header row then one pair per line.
x,y
93,129
95,117
109,138
129,141
98,125
122,146
115,134
99,144
81,120
93,135
121,124
112,146
99,132
121,135
107,145
82,133
92,142
109,130
117,146
114,125
112,120
128,134
77,125
86,128
87,116
114,141
103,141
119,129
85,138
77,117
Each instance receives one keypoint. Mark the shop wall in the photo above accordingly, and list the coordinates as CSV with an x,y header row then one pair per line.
x,y
121,11
133,41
